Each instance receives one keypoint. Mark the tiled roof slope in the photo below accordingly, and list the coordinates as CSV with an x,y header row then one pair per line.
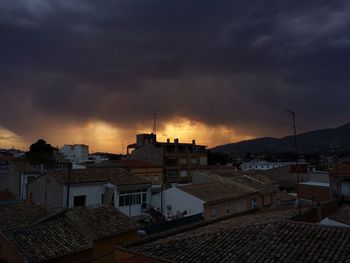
x,y
98,223
212,191
22,215
279,241
240,221
299,242
115,175
342,215
23,166
240,184
48,241
256,174
254,184
215,247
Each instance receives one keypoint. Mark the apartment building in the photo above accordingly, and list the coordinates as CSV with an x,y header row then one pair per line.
x,y
178,159
76,153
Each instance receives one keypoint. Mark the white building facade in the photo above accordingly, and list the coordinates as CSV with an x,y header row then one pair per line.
x,y
260,165
174,203
77,153
131,199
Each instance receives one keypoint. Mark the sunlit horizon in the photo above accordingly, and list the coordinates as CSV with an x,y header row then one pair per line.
x,y
103,137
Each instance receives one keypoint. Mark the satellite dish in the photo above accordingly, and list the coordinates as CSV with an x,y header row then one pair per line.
x,y
168,207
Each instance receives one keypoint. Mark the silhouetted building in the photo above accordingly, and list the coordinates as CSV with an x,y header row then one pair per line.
x,y
178,159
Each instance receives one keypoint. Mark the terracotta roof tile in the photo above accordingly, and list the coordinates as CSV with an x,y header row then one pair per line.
x,y
102,222
277,241
254,183
240,221
115,175
22,215
48,241
212,191
213,176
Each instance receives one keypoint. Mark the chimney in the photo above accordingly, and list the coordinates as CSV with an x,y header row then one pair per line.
x,y
168,140
194,142
176,140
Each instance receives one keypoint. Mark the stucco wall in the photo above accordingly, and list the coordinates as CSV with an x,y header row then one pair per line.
x,y
4,178
103,251
46,191
14,182
155,175
226,208
93,193
179,201
148,153
315,193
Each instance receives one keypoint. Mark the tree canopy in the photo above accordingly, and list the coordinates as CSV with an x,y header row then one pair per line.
x,y
40,152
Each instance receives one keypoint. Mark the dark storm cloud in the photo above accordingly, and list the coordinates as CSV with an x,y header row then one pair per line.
x,y
219,62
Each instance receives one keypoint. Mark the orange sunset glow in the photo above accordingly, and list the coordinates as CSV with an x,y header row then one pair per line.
x,y
104,137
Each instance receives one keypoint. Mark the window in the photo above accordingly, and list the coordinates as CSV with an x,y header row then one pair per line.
x,y
122,200
156,177
214,212
183,161
203,161
79,200
133,197
227,209
183,173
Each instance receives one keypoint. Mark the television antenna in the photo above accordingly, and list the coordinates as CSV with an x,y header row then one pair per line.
x,y
292,113
154,131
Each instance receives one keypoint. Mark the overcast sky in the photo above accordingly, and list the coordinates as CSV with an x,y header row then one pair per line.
x,y
219,71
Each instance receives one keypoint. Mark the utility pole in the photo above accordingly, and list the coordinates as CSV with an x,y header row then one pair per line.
x,y
296,160
68,184
335,147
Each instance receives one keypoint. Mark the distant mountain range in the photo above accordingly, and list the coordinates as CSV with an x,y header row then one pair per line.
x,y
318,141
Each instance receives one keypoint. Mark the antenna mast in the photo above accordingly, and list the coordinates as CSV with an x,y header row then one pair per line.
x,y
154,122
296,160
